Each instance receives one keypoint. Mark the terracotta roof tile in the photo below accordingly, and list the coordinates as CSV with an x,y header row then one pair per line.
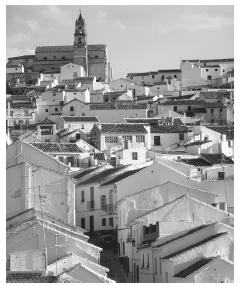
x,y
123,128
80,119
57,147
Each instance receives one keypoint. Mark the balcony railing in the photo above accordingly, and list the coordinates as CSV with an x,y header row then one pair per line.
x,y
108,208
90,205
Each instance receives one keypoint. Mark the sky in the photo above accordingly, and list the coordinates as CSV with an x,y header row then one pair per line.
x,y
138,38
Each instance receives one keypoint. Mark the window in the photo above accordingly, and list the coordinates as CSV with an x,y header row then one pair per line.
x,y
78,136
96,57
143,261
160,267
103,202
216,69
140,138
222,206
220,109
156,140
74,74
111,139
209,77
82,197
83,114
147,261
155,266
71,108
121,85
82,126
83,222
123,248
63,58
134,155
46,110
127,138
111,221
212,110
103,222
56,109
189,108
54,57
45,58
175,76
221,175
212,120
54,94
181,136
175,108
162,77
153,76
206,70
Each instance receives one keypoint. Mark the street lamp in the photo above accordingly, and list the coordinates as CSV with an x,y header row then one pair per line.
x,y
133,245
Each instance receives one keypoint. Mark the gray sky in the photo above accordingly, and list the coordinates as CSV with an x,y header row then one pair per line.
x,y
139,38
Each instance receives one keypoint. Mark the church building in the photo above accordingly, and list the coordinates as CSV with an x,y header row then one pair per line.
x,y
93,58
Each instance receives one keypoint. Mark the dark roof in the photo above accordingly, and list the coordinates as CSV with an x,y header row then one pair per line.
x,y
193,267
198,162
169,129
99,156
153,72
211,66
181,97
195,229
227,130
57,147
155,121
102,175
199,142
199,110
183,102
217,158
212,237
46,121
211,60
23,57
122,128
106,106
21,276
43,49
80,118
121,177
85,172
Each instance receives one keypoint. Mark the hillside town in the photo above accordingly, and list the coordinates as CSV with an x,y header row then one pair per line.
x,y
118,180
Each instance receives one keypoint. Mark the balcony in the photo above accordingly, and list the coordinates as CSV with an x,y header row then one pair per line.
x,y
108,208
90,205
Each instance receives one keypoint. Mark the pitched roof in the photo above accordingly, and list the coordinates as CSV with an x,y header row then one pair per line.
x,y
193,267
29,276
85,172
57,147
169,129
211,60
121,176
80,119
227,130
198,162
44,49
217,158
193,230
183,102
117,105
208,239
152,72
122,128
46,121
101,175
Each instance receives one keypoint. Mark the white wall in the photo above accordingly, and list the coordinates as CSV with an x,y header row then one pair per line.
x,y
71,71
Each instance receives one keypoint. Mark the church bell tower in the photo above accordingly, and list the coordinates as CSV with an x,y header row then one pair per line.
x,y
80,44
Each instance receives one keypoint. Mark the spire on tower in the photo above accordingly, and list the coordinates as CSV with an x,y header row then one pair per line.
x,y
80,18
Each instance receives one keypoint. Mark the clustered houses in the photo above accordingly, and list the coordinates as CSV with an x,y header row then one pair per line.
x,y
146,160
